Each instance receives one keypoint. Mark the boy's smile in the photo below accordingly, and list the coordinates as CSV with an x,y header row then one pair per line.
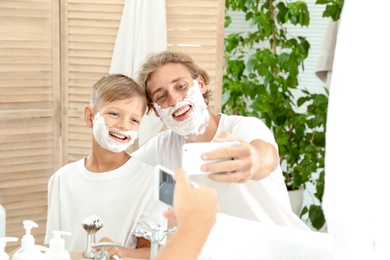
x,y
119,137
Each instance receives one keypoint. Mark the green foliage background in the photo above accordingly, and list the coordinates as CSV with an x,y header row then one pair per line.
x,y
261,80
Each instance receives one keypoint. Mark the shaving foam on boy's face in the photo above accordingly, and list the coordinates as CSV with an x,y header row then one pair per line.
x,y
109,138
196,123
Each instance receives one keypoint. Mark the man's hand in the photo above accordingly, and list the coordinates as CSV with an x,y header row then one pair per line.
x,y
195,213
197,206
249,161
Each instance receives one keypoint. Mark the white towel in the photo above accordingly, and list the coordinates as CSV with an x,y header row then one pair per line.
x,y
142,30
325,61
356,196
234,238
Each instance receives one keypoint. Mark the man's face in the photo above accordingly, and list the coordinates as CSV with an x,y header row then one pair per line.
x,y
168,86
178,100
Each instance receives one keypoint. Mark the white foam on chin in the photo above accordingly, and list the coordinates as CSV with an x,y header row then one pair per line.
x,y
196,123
104,139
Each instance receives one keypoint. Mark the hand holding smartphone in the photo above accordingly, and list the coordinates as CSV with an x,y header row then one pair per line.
x,y
191,155
164,185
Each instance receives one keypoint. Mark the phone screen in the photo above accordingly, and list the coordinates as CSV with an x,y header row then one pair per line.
x,y
191,160
166,187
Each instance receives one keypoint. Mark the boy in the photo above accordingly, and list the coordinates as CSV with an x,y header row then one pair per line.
x,y
108,183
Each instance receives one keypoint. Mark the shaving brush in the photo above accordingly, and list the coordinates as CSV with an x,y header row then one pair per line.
x,y
91,224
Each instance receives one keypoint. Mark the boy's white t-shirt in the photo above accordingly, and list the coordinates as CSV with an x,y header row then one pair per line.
x,y
266,200
122,198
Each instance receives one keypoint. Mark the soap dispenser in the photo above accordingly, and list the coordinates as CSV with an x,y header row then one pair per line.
x,y
2,221
28,249
57,249
3,242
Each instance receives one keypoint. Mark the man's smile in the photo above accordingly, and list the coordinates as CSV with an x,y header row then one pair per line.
x,y
181,112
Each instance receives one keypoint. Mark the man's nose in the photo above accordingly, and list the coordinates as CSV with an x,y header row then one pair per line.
x,y
174,98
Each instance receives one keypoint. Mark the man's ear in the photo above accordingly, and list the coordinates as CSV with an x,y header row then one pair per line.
x,y
155,111
88,116
203,87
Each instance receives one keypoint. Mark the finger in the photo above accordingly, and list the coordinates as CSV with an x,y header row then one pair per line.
x,y
170,215
181,177
230,177
105,239
221,153
112,251
227,153
223,166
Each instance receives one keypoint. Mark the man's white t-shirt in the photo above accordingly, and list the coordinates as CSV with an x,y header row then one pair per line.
x,y
122,198
266,200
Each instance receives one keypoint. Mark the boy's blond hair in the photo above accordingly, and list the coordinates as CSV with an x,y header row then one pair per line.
x,y
115,87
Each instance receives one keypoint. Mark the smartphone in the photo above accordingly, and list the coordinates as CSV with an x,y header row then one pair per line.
x,y
191,160
164,185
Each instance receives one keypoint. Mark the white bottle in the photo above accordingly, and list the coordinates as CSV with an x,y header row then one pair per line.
x,y
28,249
57,249
3,243
2,221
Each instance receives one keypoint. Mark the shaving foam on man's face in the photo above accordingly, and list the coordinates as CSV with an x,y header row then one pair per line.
x,y
196,123
109,138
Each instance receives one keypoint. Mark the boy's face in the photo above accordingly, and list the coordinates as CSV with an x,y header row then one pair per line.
x,y
122,115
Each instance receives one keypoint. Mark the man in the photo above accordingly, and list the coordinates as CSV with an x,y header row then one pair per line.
x,y
249,186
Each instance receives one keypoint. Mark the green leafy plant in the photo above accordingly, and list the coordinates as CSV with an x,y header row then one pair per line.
x,y
333,8
261,80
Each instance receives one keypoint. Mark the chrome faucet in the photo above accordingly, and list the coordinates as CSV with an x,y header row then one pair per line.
x,y
102,254
156,236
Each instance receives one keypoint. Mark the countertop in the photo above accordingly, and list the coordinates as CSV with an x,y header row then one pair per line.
x,y
78,256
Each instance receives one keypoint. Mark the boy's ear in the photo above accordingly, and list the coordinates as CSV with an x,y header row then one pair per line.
x,y
88,116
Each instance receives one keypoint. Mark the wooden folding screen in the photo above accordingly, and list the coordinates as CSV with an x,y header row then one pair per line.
x,y
194,27
197,28
51,53
29,110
